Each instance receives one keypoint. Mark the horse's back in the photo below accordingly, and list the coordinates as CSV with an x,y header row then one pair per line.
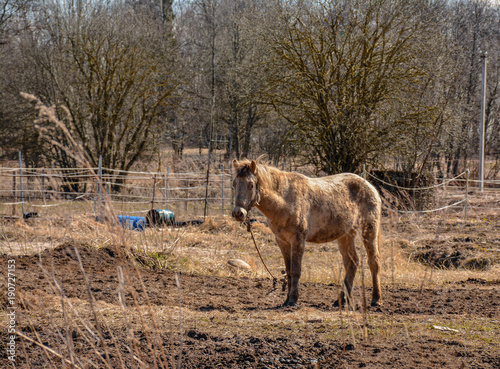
x,y
344,187
338,204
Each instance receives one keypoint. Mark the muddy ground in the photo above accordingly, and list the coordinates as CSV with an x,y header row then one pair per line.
x,y
118,313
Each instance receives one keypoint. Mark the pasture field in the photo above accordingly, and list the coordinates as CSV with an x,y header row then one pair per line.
x,y
93,295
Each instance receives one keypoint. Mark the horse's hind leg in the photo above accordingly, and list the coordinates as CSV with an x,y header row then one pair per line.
x,y
350,257
370,240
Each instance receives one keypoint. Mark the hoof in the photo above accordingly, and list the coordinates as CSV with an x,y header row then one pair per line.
x,y
376,304
289,303
343,302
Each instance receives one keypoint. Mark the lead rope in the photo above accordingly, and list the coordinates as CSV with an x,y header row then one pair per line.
x,y
275,280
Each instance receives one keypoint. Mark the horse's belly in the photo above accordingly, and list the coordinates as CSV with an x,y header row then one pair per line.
x,y
328,228
321,237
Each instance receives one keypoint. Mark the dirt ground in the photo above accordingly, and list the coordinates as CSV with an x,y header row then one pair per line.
x,y
98,308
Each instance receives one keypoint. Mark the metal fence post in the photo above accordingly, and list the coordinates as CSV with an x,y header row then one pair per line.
x,y
484,92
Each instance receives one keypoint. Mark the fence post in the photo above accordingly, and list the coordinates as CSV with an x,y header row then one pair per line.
x,y
154,191
186,191
43,185
99,173
14,193
205,211
232,189
223,189
466,205
21,181
166,188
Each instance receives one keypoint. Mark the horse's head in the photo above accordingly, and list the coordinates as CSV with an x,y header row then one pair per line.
x,y
246,188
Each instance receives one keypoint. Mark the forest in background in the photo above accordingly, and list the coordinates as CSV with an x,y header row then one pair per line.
x,y
334,84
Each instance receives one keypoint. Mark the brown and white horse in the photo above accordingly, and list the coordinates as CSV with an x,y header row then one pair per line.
x,y
300,209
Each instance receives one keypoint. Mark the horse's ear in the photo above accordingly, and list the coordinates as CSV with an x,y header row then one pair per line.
x,y
253,167
235,163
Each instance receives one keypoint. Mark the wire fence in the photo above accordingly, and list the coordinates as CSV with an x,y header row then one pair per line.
x,y
51,191
459,192
66,191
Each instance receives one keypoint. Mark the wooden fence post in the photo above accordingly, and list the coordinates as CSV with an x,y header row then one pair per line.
x,y
166,188
223,189
21,181
466,205
187,195
14,193
99,173
154,191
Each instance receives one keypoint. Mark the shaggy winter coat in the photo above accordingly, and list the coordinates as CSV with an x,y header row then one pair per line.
x,y
300,209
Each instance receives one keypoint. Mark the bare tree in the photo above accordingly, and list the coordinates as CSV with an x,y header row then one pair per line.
x,y
225,56
243,56
337,83
11,17
473,29
112,68
346,75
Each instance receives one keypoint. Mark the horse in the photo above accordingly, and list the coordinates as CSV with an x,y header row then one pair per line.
x,y
301,209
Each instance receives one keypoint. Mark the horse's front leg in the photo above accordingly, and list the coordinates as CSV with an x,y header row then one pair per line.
x,y
285,251
297,250
292,254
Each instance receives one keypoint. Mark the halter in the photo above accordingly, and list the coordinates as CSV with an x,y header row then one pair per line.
x,y
255,200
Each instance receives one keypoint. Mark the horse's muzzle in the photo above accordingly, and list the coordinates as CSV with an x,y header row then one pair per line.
x,y
239,213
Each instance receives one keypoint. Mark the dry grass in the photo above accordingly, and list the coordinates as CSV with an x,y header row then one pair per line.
x,y
206,249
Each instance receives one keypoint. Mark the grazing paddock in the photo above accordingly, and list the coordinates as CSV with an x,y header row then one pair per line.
x,y
92,294
97,295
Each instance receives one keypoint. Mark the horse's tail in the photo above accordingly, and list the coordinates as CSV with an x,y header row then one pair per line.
x,y
373,207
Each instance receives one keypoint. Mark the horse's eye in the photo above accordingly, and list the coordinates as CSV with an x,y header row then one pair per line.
x,y
250,186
